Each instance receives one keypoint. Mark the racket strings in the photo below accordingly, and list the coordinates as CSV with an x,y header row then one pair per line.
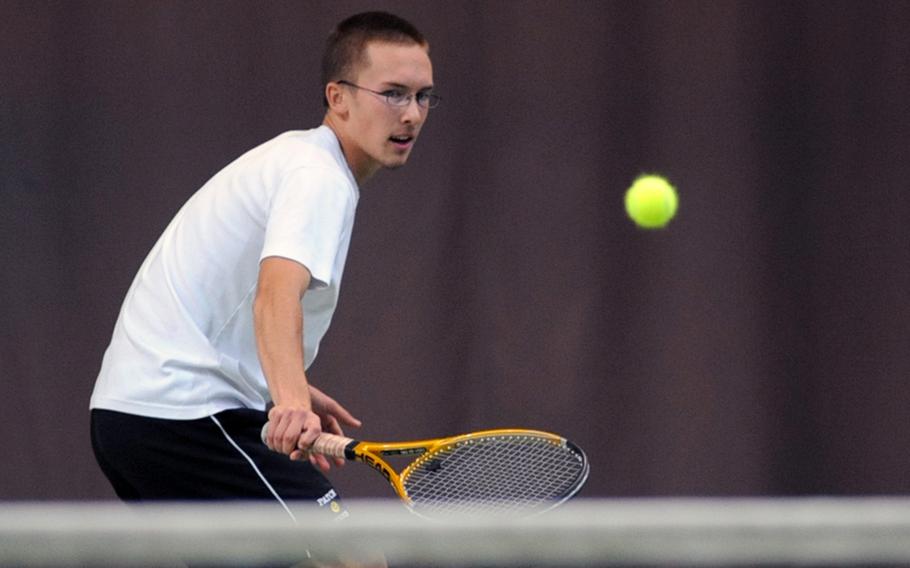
x,y
503,475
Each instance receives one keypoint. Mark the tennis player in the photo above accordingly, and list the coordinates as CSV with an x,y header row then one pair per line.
x,y
228,309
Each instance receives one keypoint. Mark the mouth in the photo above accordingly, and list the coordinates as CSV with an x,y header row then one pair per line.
x,y
402,141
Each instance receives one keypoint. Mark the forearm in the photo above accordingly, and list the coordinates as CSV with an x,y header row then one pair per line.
x,y
278,322
278,319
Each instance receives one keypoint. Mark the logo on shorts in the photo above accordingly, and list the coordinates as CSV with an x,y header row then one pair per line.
x,y
330,499
327,498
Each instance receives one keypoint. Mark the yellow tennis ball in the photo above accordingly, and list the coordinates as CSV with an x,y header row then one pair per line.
x,y
651,201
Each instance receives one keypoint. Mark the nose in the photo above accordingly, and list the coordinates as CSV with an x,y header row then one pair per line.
x,y
413,113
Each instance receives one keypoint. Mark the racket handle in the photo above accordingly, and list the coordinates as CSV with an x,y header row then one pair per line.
x,y
329,445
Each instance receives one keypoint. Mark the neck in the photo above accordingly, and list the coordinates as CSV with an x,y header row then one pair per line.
x,y
361,165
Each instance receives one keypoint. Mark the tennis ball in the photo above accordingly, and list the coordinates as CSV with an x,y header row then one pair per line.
x,y
651,201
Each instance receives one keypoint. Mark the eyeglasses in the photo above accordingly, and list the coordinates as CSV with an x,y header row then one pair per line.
x,y
399,98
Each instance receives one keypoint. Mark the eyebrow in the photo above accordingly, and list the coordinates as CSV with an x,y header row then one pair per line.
x,y
405,87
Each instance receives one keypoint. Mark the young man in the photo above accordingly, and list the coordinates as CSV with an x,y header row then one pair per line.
x,y
227,311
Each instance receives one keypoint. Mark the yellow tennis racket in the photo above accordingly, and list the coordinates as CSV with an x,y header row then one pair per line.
x,y
509,473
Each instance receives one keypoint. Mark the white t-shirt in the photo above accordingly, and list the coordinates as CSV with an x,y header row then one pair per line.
x,y
183,346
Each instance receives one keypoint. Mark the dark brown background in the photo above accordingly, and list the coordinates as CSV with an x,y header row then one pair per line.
x,y
758,346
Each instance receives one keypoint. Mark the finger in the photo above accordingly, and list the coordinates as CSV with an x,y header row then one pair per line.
x,y
307,438
275,434
312,429
320,462
291,435
291,440
343,415
332,425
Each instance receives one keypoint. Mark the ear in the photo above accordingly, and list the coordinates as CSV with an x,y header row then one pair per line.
x,y
335,96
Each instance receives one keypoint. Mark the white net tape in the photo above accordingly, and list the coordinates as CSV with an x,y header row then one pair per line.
x,y
713,532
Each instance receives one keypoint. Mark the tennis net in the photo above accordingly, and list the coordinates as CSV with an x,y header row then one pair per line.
x,y
659,532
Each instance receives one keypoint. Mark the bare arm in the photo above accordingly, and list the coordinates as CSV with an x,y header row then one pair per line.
x,y
278,321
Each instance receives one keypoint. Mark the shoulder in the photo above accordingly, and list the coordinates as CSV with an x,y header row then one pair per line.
x,y
316,148
293,165
315,155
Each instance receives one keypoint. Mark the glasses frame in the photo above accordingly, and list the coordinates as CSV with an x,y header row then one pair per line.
x,y
431,100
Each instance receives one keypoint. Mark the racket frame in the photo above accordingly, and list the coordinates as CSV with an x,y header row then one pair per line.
x,y
373,454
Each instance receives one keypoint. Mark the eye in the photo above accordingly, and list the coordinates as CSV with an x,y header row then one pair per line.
x,y
427,98
395,95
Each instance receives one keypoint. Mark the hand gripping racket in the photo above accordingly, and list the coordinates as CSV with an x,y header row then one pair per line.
x,y
506,473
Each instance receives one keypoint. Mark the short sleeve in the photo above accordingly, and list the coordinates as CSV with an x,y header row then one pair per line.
x,y
307,218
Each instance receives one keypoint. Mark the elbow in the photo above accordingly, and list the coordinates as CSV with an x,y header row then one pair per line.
x,y
264,304
259,311
269,305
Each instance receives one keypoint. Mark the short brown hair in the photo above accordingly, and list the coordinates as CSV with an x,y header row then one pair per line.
x,y
346,45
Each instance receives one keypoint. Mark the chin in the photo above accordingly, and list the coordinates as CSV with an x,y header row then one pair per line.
x,y
396,163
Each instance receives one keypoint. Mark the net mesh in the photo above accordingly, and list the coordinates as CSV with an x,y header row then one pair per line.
x,y
504,475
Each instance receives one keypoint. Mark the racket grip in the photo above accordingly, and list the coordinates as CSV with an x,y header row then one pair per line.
x,y
329,445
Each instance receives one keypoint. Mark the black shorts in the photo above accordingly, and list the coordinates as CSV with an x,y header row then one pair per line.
x,y
214,458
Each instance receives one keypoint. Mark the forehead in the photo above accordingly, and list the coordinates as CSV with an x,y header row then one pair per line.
x,y
403,64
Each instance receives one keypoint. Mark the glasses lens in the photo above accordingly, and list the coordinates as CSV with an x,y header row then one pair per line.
x,y
428,100
397,98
